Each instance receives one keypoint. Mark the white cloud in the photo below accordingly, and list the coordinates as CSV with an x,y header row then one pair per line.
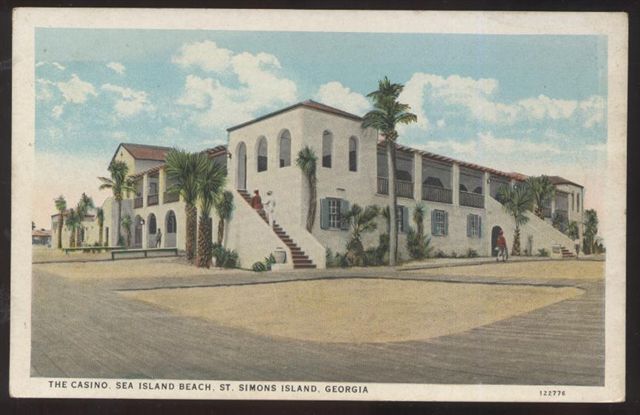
x,y
59,66
130,102
119,136
206,55
76,90
57,111
441,123
217,104
477,99
337,95
43,89
116,67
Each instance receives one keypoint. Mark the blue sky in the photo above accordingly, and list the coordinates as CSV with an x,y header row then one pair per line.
x,y
535,104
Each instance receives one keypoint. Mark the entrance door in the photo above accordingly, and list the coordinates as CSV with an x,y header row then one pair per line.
x,y
242,166
495,231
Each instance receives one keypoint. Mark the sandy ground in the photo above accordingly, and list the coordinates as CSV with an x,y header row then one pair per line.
x,y
566,269
44,254
130,268
356,310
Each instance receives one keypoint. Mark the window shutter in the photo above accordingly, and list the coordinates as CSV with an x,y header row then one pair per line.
x,y
344,208
479,226
405,219
446,223
433,222
324,213
469,219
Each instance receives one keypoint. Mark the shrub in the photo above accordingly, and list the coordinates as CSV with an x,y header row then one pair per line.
x,y
225,258
472,253
454,254
259,266
372,257
441,254
330,259
543,252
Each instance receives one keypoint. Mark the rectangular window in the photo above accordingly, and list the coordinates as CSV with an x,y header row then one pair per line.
x,y
474,226
262,163
439,222
334,213
326,160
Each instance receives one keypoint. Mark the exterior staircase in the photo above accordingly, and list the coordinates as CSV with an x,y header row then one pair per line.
x,y
299,258
566,253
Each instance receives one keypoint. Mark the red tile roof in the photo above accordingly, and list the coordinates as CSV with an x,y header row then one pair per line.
x,y
306,104
561,180
146,152
211,152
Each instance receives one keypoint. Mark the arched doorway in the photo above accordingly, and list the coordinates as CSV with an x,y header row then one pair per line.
x,y
241,155
171,227
152,229
495,231
137,232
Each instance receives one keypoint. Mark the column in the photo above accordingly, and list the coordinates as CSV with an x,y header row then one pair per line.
x,y
486,188
145,189
417,176
455,187
162,186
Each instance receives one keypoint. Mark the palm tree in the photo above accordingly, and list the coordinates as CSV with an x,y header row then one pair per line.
x,y
572,230
183,169
224,208
307,162
542,191
418,218
209,185
120,183
516,201
74,221
100,218
126,225
61,206
83,207
388,113
590,230
360,221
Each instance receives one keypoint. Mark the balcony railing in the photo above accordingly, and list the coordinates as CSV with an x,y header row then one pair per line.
x,y
137,202
152,200
471,199
403,188
171,197
436,194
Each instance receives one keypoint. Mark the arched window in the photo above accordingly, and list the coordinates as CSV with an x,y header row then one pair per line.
x,y
171,222
353,154
327,144
262,154
152,223
285,149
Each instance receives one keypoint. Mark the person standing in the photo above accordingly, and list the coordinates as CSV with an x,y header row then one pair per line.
x,y
502,247
159,238
270,207
256,200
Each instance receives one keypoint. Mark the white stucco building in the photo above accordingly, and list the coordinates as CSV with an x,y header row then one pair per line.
x,y
459,197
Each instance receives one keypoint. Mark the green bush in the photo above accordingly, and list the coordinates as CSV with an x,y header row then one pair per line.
x,y
472,253
259,267
441,254
543,252
454,254
372,257
225,258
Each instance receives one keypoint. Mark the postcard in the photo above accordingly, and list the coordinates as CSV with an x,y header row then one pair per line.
x,y
319,205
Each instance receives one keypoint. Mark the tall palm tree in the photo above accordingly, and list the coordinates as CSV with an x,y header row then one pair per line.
x,y
74,221
210,184
306,161
224,208
61,206
590,230
517,200
542,191
126,225
83,207
183,169
120,183
385,116
100,218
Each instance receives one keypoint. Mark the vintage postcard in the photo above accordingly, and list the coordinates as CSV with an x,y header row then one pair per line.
x,y
319,205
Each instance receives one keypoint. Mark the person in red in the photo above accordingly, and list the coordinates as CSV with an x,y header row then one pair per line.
x,y
256,200
502,247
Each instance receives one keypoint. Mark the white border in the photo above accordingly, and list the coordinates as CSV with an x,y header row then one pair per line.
x,y
613,25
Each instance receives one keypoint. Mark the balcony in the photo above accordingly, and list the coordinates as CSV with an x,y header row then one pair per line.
x,y
170,197
471,199
437,194
137,202
403,188
152,200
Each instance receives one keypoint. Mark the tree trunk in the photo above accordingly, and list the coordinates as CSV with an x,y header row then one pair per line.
x,y
72,239
515,251
119,219
191,235
100,236
60,231
220,231
311,213
393,203
201,259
